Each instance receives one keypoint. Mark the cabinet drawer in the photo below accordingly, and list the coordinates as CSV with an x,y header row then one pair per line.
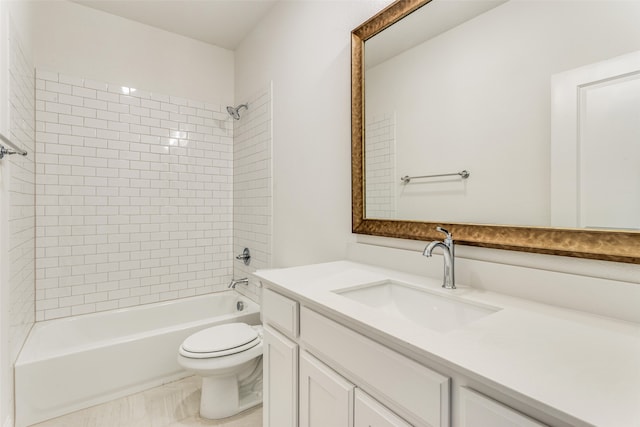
x,y
477,410
280,312
418,393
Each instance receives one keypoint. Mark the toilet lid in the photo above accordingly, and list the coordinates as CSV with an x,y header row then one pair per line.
x,y
222,338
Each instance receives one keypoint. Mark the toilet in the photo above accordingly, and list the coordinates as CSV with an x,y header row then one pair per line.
x,y
228,357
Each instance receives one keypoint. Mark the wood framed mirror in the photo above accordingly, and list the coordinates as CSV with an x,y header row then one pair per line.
x,y
608,242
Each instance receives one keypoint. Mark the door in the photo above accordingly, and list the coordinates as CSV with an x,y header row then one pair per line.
x,y
595,155
326,399
280,367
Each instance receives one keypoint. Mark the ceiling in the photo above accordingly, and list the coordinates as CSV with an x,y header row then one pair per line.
x,y
223,23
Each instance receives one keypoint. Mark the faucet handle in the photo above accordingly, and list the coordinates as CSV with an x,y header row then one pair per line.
x,y
448,240
442,230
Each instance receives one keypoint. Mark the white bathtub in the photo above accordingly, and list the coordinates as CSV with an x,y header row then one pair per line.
x,y
73,363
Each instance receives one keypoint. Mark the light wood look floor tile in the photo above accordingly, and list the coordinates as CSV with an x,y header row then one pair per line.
x,y
171,405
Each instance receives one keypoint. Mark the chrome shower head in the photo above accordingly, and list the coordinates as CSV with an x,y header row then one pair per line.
x,y
234,112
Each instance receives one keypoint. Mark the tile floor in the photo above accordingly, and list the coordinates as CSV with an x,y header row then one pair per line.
x,y
171,405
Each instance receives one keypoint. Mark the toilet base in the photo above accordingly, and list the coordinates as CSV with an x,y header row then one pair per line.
x,y
224,397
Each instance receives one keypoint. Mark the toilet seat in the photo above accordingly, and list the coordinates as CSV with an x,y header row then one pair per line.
x,y
219,341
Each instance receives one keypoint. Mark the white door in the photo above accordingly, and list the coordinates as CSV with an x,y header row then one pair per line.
x,y
326,399
609,171
595,147
477,410
370,413
280,367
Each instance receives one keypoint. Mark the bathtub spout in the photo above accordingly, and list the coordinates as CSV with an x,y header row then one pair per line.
x,y
243,281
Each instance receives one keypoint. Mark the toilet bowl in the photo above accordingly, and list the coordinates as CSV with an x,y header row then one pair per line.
x,y
229,359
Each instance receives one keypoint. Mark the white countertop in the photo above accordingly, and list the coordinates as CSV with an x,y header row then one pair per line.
x,y
572,363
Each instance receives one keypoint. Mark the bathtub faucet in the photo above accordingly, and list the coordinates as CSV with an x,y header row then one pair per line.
x,y
243,281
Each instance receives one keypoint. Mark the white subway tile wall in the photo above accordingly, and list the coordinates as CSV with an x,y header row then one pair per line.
x,y
252,192
134,196
380,167
21,191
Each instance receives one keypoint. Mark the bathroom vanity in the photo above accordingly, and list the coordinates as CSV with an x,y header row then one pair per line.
x,y
349,344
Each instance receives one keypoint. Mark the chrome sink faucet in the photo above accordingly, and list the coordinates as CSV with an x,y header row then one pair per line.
x,y
448,281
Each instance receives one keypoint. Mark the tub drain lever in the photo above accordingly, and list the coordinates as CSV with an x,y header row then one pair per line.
x,y
245,256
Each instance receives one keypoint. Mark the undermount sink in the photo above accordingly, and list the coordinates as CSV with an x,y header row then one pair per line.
x,y
421,307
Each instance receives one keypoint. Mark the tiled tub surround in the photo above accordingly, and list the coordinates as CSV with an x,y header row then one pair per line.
x,y
102,356
133,198
382,177
252,189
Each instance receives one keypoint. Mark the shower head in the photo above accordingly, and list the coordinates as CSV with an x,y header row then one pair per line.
x,y
234,112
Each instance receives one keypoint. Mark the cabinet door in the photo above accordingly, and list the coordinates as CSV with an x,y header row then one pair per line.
x,y
370,413
280,367
477,410
326,399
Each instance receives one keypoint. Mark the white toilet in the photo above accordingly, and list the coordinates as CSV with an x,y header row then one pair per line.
x,y
229,359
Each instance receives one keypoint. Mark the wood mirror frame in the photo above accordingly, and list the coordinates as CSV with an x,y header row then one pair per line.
x,y
610,245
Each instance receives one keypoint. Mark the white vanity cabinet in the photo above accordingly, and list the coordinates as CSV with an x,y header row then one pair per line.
x,y
387,370
320,373
334,362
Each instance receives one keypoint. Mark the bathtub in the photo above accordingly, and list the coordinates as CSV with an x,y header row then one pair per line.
x,y
73,363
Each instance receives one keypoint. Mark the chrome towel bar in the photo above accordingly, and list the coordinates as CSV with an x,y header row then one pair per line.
x,y
14,148
463,174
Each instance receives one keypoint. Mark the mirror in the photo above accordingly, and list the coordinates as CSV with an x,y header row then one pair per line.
x,y
533,115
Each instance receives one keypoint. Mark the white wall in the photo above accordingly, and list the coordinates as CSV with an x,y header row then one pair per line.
x,y
5,390
6,373
304,48
79,41
478,97
17,187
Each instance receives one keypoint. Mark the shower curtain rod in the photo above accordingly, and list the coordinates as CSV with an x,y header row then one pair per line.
x,y
14,147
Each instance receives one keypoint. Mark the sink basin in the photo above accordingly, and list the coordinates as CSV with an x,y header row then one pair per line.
x,y
420,307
